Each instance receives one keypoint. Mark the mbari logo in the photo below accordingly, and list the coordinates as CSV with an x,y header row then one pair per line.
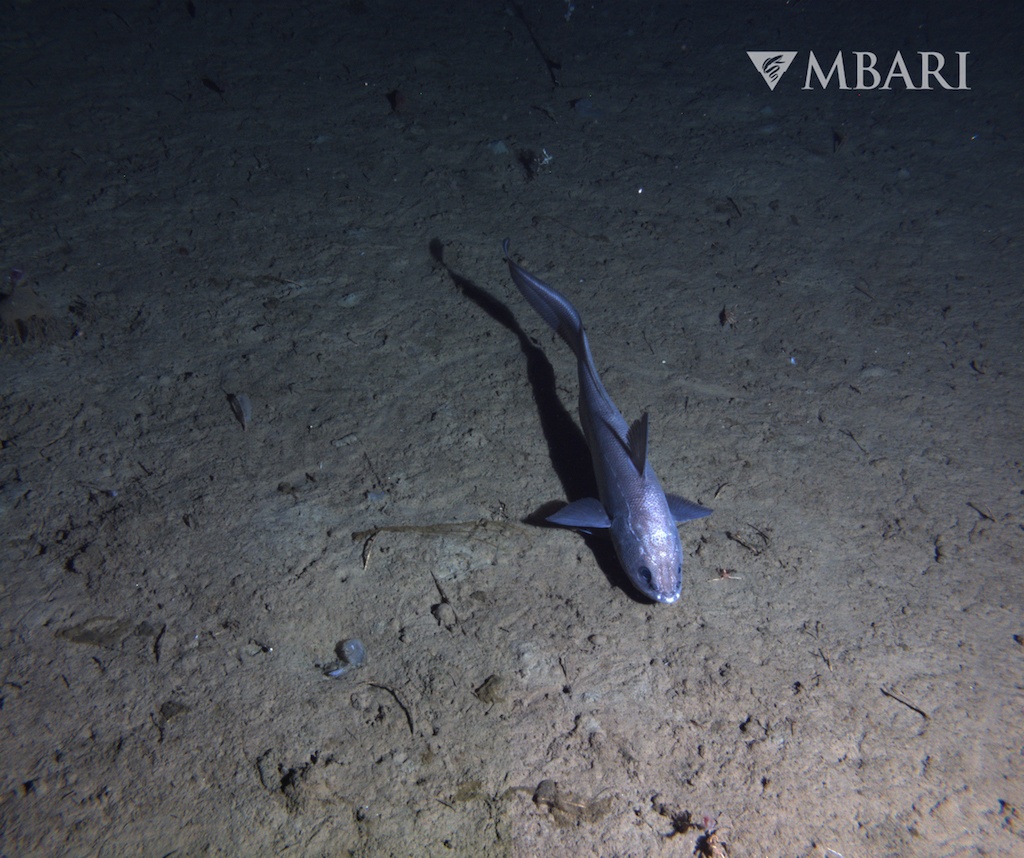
x,y
772,66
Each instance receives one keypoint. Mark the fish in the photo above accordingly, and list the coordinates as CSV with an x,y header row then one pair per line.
x,y
632,505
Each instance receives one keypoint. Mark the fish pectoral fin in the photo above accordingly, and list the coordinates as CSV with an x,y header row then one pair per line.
x,y
636,443
683,510
585,513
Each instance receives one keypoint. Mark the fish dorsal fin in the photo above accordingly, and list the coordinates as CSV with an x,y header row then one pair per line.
x,y
636,441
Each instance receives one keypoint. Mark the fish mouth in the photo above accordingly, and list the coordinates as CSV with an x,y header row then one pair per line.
x,y
666,598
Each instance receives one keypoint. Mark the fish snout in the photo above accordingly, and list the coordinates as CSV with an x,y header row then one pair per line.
x,y
654,562
664,585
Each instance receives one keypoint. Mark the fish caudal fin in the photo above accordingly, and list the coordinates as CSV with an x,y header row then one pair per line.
x,y
553,307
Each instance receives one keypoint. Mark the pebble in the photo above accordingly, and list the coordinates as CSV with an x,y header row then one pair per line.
x,y
351,656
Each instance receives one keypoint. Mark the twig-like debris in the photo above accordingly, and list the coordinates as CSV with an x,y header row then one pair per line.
x,y
981,511
849,435
552,65
825,658
730,535
899,699
454,528
398,700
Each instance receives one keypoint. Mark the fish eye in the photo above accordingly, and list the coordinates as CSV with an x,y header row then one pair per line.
x,y
646,577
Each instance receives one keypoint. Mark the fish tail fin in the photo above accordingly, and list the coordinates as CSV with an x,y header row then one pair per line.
x,y
553,307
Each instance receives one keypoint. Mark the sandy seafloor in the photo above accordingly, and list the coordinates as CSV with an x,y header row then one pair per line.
x,y
226,203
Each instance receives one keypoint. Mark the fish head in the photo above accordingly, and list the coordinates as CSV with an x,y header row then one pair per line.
x,y
652,556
